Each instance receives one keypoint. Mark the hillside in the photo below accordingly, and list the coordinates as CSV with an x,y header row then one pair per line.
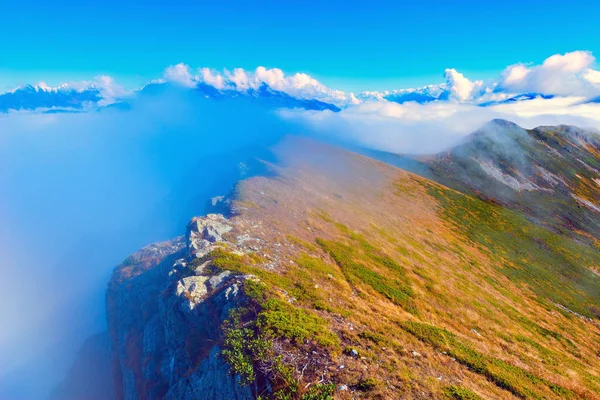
x,y
552,174
335,275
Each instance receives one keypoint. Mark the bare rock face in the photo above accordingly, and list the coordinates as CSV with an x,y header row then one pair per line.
x,y
204,231
165,318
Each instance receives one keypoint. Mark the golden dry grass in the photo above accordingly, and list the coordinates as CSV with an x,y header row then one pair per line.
x,y
455,282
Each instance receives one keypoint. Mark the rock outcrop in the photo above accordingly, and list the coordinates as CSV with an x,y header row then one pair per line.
x,y
165,314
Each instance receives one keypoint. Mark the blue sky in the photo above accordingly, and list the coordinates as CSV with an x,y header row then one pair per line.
x,y
347,45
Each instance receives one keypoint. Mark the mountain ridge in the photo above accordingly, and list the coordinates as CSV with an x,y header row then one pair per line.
x,y
336,275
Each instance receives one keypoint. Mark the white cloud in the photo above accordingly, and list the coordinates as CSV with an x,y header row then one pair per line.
x,y
110,90
575,61
433,127
398,128
299,85
212,78
568,74
461,88
592,76
181,74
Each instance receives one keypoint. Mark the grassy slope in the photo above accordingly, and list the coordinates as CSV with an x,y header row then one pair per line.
x,y
440,294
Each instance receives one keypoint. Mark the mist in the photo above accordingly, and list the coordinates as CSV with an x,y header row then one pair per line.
x,y
79,192
412,128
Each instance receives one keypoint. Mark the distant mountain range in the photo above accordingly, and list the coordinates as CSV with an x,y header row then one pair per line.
x,y
65,98
42,97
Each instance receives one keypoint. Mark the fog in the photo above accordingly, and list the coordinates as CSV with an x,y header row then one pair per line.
x,y
79,192
436,126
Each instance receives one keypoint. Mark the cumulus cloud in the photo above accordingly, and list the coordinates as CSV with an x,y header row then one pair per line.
x,y
212,78
374,120
299,85
569,74
461,88
181,74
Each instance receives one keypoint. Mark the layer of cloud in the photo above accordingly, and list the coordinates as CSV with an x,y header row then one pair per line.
x,y
418,120
436,126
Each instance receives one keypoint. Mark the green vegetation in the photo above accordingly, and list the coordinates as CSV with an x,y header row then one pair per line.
x,y
461,393
518,381
280,319
363,264
242,346
291,311
320,392
368,384
553,266
301,243
373,337
251,332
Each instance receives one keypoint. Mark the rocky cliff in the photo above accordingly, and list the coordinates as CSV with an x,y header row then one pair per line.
x,y
165,315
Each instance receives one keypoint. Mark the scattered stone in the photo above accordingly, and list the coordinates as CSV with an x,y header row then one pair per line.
x,y
193,289
217,280
241,239
204,231
565,309
178,265
477,333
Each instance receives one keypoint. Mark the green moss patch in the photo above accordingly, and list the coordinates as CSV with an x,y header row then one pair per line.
x,y
250,335
364,265
461,393
516,380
